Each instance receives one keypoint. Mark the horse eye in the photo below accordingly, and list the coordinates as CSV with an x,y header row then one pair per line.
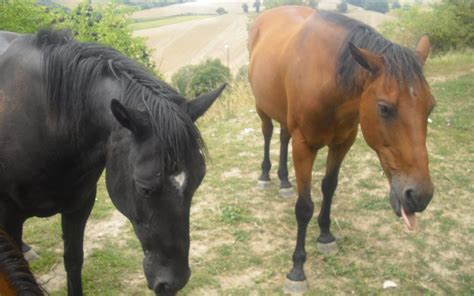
x,y
143,191
385,110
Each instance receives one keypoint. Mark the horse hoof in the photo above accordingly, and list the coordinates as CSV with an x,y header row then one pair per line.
x,y
328,248
31,255
295,288
286,192
263,184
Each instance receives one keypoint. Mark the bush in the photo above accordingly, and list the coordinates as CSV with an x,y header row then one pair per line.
x,y
376,5
107,25
342,7
396,5
197,79
221,11
242,74
449,24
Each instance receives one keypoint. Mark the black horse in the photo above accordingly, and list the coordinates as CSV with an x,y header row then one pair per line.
x,y
67,111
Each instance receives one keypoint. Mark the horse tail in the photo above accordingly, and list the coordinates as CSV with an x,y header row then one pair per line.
x,y
15,274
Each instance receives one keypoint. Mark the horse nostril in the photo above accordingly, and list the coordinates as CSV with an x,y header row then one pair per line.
x,y
162,288
410,196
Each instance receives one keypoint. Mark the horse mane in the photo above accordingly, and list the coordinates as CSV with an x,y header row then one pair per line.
x,y
400,62
15,269
71,70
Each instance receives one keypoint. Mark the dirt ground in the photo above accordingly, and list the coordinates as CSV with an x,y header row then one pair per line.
x,y
177,45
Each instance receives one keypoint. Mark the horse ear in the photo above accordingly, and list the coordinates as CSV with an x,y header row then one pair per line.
x,y
423,48
368,60
125,116
197,107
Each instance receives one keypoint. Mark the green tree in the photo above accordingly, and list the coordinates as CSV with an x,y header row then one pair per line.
x,y
449,24
376,5
107,25
23,16
342,7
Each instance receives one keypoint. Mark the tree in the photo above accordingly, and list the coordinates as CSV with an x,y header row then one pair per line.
x,y
342,7
396,5
256,4
221,11
376,5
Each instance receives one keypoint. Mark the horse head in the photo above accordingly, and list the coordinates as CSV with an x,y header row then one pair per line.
x,y
393,117
155,163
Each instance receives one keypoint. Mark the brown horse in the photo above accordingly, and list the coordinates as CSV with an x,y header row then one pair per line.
x,y
320,74
15,275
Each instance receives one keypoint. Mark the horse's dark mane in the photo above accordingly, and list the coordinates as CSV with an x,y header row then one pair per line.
x,y
400,62
15,269
71,71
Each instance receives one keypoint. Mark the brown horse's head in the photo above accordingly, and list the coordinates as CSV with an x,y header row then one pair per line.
x,y
393,117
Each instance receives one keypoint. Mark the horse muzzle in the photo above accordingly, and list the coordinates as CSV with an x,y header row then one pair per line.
x,y
408,198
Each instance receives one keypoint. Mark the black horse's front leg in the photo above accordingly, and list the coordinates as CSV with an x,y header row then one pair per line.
x,y
73,225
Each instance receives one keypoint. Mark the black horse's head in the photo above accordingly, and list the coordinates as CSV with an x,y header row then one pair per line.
x,y
155,163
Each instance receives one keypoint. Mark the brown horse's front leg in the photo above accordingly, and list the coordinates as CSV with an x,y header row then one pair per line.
x,y
327,241
303,157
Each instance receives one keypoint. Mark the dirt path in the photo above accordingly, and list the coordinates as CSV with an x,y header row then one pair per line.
x,y
96,233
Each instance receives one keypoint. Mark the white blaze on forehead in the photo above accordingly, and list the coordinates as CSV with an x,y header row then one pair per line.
x,y
179,181
412,92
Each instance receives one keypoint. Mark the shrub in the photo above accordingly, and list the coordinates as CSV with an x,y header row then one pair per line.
x,y
342,7
396,5
221,11
376,5
107,25
197,79
242,74
449,24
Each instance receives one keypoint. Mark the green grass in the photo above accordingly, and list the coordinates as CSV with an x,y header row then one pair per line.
x,y
165,21
242,238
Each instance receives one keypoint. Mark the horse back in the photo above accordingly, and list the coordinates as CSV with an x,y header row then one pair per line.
x,y
6,39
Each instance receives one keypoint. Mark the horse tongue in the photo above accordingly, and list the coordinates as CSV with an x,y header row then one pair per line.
x,y
409,219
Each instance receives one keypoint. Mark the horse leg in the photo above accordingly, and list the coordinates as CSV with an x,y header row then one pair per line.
x,y
285,186
303,158
326,242
73,225
267,130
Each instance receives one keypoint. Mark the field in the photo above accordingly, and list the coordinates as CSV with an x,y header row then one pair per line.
x,y
242,238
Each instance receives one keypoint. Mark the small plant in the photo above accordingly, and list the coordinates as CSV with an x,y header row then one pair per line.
x,y
232,214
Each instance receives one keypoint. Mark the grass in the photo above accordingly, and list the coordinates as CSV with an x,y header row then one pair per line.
x,y
242,238
140,24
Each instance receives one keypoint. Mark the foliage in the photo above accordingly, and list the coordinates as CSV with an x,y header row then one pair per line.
x,y
275,3
221,11
24,16
107,25
396,5
342,7
193,80
376,5
449,24
257,4
242,74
